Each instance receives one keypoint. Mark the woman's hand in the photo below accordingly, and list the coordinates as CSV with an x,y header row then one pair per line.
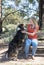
x,y
28,33
33,33
23,31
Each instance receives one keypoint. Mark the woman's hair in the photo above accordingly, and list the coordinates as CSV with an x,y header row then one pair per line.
x,y
34,20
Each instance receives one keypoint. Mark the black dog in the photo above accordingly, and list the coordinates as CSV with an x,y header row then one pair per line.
x,y
16,42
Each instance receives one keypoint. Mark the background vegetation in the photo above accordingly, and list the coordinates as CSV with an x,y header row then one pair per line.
x,y
15,12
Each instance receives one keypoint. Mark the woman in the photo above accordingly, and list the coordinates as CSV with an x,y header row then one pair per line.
x,y
32,30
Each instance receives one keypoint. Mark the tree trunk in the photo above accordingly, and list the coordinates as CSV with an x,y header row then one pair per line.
x,y
0,25
0,16
40,14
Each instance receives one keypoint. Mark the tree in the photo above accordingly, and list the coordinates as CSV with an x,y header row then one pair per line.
x,y
25,10
0,16
30,1
17,2
40,13
29,8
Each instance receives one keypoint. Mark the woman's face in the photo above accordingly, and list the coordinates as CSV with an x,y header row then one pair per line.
x,y
31,22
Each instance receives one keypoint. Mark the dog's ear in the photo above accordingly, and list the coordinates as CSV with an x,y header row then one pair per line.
x,y
20,25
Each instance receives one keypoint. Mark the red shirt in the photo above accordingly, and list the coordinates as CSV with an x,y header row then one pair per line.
x,y
31,30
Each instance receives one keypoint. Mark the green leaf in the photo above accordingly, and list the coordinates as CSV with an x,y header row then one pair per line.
x,y
30,1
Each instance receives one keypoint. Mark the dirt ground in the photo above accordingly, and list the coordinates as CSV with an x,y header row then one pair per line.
x,y
3,61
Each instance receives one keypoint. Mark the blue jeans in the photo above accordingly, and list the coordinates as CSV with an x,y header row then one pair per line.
x,y
34,43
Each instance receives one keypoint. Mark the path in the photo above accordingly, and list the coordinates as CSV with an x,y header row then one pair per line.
x,y
3,61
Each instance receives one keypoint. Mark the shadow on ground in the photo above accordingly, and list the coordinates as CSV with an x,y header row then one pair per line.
x,y
20,56
3,57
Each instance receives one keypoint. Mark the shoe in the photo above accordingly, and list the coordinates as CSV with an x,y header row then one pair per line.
x,y
33,57
26,56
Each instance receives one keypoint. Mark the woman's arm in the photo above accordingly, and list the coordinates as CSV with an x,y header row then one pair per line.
x,y
36,29
28,33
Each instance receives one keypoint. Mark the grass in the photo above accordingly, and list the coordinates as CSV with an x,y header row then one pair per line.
x,y
7,36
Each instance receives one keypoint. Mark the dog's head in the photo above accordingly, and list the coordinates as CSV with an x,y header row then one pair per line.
x,y
20,27
19,33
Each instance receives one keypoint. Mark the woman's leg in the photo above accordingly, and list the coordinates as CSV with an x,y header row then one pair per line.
x,y
34,44
28,43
